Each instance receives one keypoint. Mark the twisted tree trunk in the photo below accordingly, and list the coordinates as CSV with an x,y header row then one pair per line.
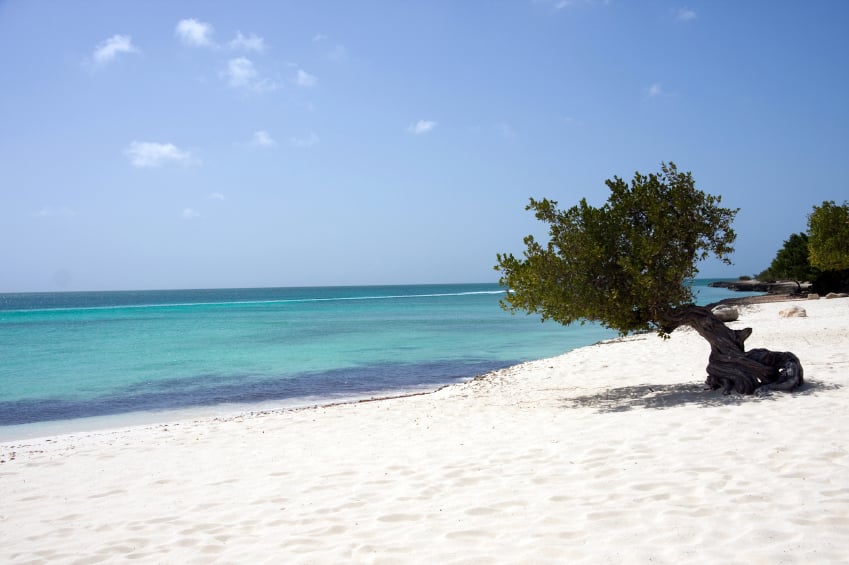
x,y
729,365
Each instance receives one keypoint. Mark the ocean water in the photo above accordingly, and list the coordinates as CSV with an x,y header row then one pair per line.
x,y
71,356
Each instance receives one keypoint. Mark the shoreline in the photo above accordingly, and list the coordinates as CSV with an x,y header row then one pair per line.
x,y
128,420
230,412
225,411
186,392
610,452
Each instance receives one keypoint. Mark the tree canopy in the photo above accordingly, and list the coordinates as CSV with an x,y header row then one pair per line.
x,y
791,261
828,232
626,264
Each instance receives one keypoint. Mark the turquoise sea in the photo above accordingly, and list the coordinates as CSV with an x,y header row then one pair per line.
x,y
82,355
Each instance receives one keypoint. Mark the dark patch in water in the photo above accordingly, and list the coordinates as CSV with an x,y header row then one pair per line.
x,y
209,390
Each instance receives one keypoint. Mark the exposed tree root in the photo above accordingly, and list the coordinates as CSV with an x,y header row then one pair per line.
x,y
730,366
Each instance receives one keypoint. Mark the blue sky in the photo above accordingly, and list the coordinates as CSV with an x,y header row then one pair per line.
x,y
228,144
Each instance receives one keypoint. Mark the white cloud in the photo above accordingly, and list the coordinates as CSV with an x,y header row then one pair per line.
x,y
194,33
48,212
215,196
108,50
262,138
685,15
422,126
654,90
241,73
338,53
309,141
151,154
250,43
558,5
305,79
190,214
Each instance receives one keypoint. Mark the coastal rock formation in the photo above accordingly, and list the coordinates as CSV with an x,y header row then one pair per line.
x,y
776,287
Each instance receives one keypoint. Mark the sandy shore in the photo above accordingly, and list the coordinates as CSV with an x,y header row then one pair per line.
x,y
608,454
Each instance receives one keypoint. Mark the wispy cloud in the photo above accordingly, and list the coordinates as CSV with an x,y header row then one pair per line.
x,y
241,73
304,142
48,212
654,90
303,78
262,138
421,127
190,214
337,53
144,154
560,4
215,196
194,33
250,43
685,15
108,50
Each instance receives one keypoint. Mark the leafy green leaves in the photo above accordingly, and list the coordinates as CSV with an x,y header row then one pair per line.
x,y
625,264
792,261
828,236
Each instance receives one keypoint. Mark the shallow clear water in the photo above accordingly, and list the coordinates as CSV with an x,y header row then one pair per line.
x,y
76,355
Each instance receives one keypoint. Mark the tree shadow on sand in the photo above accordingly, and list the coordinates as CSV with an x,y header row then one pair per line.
x,y
622,399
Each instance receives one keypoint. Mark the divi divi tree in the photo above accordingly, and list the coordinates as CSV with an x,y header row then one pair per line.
x,y
629,265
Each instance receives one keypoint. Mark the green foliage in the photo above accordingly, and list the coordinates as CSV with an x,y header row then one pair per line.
x,y
627,264
828,232
791,261
832,281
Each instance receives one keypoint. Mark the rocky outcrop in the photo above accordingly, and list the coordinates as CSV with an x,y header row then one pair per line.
x,y
776,287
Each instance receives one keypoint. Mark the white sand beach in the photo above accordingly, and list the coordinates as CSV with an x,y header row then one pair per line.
x,y
608,454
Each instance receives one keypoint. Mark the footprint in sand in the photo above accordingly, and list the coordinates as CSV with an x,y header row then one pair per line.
x,y
481,511
400,518
109,493
469,534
